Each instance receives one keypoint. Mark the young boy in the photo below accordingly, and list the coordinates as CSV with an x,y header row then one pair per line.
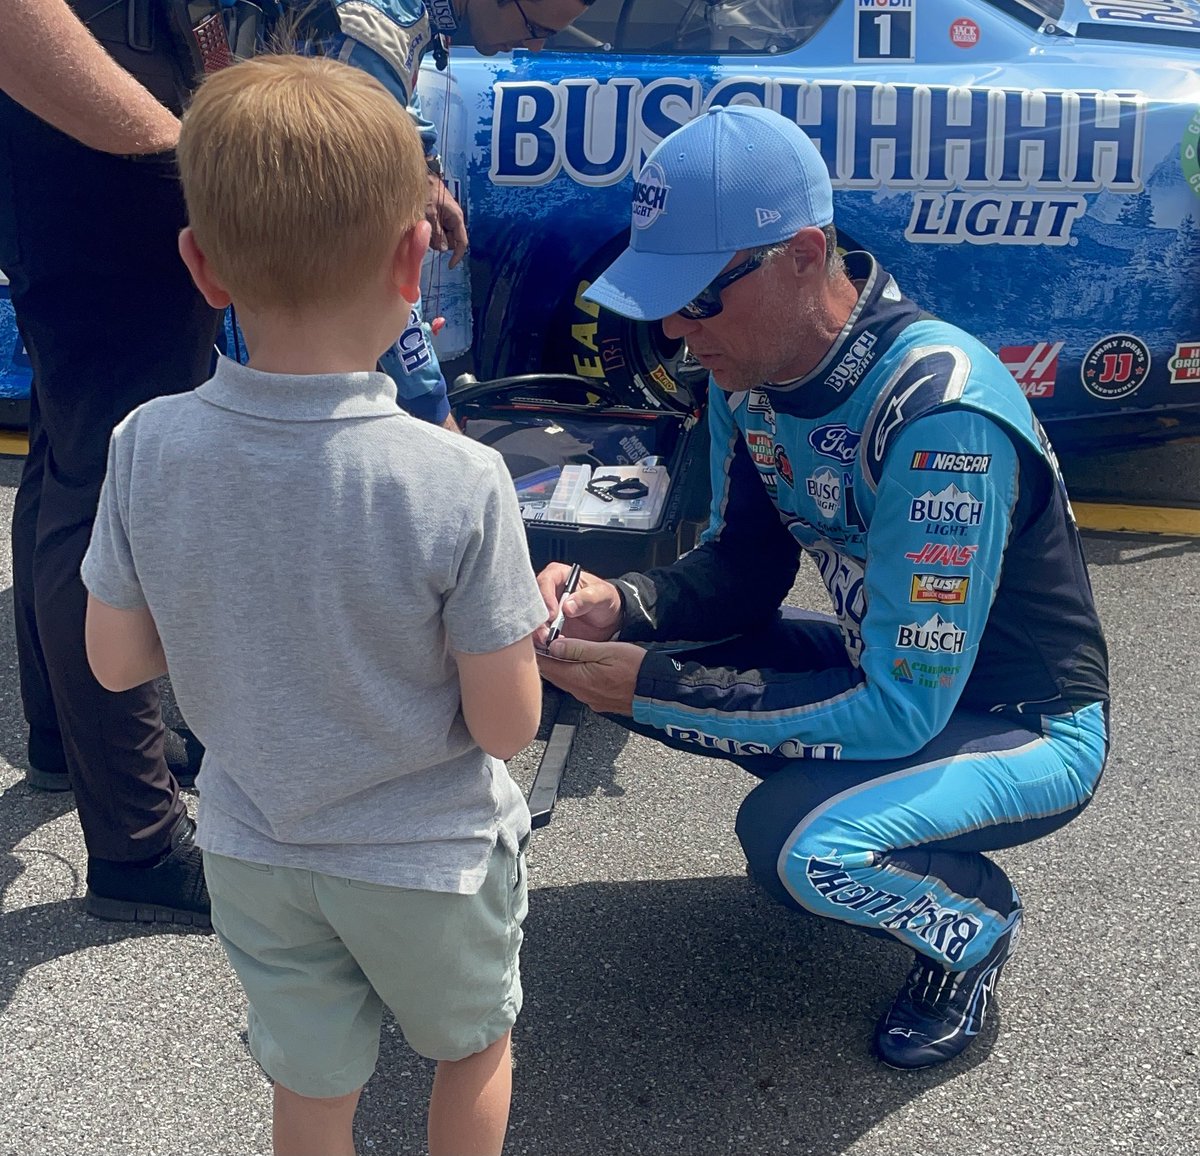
x,y
346,619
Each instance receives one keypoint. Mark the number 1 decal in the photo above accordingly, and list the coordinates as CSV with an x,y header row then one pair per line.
x,y
883,30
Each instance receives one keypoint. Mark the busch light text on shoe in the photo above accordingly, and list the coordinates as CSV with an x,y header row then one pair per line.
x,y
946,930
1019,142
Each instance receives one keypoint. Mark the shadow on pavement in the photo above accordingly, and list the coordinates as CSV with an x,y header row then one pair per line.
x,y
684,1018
1128,549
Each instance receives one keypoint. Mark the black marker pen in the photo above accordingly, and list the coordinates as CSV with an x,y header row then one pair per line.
x,y
572,583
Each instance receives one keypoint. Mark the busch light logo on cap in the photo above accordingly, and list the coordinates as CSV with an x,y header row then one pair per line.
x,y
649,196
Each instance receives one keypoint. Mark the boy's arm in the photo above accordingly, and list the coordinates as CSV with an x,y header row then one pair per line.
x,y
501,697
53,66
123,646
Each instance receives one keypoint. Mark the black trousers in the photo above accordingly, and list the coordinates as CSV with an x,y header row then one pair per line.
x,y
110,319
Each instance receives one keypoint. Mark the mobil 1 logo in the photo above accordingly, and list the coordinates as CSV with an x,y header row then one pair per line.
x,y
883,30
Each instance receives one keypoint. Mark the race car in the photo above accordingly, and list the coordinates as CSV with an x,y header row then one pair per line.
x,y
1026,169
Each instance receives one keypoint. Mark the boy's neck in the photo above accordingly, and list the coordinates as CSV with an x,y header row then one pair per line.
x,y
312,345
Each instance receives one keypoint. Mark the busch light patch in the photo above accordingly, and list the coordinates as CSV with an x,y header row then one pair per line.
x,y
854,363
649,196
825,489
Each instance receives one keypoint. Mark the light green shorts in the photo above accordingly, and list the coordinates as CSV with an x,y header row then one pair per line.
x,y
320,956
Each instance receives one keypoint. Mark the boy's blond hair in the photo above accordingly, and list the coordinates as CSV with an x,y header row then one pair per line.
x,y
301,175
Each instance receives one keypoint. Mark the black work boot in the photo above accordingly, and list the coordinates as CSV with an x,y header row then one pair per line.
x,y
169,889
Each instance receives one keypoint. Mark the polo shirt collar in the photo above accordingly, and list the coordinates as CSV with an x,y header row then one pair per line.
x,y
299,397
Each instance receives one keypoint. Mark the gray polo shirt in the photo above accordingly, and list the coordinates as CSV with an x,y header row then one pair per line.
x,y
311,556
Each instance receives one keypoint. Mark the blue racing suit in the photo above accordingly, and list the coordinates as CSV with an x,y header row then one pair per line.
x,y
956,702
388,38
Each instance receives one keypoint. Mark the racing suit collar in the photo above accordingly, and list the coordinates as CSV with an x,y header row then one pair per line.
x,y
880,312
291,397
442,16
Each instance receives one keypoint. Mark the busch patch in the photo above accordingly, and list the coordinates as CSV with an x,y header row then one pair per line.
x,y
951,463
838,441
1115,367
942,554
951,507
1185,363
825,489
937,635
649,196
947,931
788,749
411,346
945,589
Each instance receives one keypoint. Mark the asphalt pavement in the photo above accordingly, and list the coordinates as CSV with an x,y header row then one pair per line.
x,y
670,1007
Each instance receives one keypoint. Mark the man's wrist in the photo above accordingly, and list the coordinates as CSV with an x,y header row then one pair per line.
x,y
433,164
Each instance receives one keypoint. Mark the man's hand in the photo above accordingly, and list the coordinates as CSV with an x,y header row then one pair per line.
x,y
446,220
592,612
602,675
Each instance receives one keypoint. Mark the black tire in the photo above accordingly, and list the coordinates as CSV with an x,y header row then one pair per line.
x,y
634,359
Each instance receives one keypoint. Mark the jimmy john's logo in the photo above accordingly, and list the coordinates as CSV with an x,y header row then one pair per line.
x,y
649,196
945,589
936,635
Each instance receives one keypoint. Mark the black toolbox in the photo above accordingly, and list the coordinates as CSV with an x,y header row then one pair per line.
x,y
543,422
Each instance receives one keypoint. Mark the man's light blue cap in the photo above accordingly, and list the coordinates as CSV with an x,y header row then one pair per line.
x,y
735,178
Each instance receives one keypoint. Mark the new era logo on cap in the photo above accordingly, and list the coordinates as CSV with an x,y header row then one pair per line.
x,y
765,217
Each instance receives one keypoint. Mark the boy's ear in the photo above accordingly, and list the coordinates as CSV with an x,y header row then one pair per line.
x,y
202,274
406,261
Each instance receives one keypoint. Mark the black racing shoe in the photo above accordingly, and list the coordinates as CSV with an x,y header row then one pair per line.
x,y
182,750
938,1012
170,889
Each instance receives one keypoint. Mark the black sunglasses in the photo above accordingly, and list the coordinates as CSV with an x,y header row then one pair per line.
x,y
536,31
707,303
